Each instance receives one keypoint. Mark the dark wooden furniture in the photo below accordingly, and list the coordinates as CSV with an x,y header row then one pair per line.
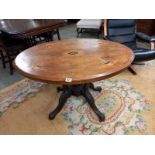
x,y
23,28
9,49
146,25
27,31
74,63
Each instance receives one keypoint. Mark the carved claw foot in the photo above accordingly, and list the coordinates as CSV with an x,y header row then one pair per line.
x,y
101,117
89,98
62,100
52,116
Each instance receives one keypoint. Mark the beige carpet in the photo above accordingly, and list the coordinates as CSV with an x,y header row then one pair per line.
x,y
132,113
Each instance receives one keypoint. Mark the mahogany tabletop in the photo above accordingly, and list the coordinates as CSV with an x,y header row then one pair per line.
x,y
22,28
74,61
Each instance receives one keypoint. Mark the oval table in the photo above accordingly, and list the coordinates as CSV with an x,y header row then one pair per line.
x,y
75,64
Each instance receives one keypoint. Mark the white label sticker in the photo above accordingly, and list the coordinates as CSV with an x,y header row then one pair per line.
x,y
68,79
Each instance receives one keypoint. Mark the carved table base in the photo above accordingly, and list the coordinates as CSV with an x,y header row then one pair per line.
x,y
77,90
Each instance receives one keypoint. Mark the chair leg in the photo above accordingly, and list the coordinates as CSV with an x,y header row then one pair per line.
x,y
58,34
78,32
98,33
47,37
100,30
33,41
29,42
11,68
10,62
51,37
3,59
132,71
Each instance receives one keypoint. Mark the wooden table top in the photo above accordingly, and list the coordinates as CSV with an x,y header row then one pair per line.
x,y
21,28
74,61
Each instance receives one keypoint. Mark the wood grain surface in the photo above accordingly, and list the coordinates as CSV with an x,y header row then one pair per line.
x,y
74,61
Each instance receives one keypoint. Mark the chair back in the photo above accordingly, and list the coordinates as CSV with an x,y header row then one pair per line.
x,y
121,30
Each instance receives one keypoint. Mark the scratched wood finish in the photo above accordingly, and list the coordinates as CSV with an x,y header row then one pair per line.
x,y
22,28
82,60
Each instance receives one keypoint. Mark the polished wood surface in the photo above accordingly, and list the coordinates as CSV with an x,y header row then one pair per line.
x,y
74,61
21,28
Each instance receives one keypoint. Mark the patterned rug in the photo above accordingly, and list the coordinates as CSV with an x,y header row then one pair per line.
x,y
123,105
18,92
